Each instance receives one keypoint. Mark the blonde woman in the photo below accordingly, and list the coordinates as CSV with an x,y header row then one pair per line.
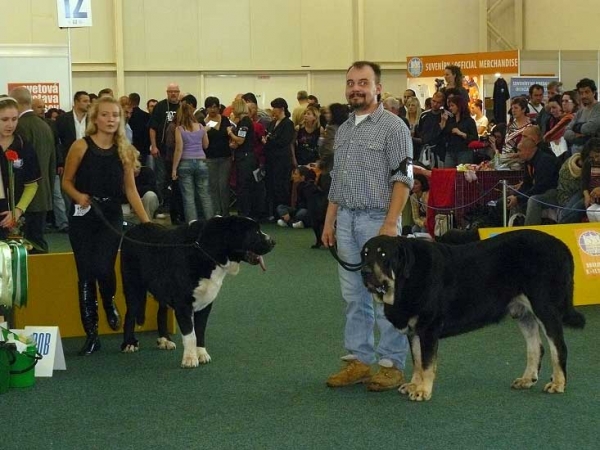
x,y
98,169
413,113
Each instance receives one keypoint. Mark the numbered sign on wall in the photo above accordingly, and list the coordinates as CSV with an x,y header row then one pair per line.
x,y
74,13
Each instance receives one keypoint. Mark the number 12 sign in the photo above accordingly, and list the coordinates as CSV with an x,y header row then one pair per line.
x,y
74,13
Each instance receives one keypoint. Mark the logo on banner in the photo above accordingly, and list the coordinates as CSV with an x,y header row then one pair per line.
x,y
589,245
48,92
415,67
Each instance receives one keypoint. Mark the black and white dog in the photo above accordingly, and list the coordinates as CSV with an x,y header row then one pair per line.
x,y
432,291
184,268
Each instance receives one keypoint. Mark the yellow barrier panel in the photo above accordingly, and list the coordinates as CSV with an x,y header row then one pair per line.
x,y
53,298
583,239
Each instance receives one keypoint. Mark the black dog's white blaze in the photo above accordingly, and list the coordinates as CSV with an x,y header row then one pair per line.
x,y
208,288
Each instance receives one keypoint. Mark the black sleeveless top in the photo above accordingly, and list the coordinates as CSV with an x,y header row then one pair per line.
x,y
100,173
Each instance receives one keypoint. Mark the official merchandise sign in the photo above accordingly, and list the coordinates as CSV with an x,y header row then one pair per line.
x,y
483,63
47,91
520,85
74,13
49,345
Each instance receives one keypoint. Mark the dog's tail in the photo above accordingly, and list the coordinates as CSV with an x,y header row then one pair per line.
x,y
574,318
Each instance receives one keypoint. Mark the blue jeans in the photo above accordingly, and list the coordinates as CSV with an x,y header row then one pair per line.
x,y
193,182
353,230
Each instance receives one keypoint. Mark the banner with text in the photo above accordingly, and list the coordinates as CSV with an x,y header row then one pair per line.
x,y
483,63
520,85
49,92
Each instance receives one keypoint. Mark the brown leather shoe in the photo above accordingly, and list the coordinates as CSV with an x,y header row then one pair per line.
x,y
355,372
385,379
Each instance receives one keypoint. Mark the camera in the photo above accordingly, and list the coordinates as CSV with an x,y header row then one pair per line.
x,y
439,83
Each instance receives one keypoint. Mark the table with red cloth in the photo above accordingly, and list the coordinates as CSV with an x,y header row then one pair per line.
x,y
450,192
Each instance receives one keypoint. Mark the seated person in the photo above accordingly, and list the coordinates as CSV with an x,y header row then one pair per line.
x,y
296,215
541,175
145,182
418,201
590,181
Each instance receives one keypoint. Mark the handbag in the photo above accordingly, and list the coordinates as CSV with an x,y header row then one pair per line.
x,y
443,223
426,157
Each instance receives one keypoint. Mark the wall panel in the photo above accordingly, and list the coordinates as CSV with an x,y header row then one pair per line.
x,y
275,36
95,44
327,34
225,31
134,34
395,29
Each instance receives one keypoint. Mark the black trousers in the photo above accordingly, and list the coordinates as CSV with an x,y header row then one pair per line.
x,y
95,239
33,230
245,164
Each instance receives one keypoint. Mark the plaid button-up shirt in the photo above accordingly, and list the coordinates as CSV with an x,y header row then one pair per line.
x,y
368,159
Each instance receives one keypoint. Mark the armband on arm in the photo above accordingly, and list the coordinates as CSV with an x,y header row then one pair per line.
x,y
27,196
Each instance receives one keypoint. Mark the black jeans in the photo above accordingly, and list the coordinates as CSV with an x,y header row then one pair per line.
x,y
95,239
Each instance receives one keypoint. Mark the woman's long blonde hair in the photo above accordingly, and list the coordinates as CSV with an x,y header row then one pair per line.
x,y
127,152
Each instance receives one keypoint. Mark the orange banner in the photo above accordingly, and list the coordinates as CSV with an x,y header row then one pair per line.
x,y
49,92
470,63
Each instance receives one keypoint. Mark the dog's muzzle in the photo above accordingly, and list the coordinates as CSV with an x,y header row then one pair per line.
x,y
372,283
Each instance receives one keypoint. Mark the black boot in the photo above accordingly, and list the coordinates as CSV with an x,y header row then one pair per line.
x,y
112,313
88,307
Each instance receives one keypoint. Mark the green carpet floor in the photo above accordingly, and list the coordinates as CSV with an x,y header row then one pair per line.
x,y
274,338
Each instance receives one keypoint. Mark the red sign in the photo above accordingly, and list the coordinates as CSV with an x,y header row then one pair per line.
x,y
49,92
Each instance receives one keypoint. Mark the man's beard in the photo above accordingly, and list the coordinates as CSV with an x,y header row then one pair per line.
x,y
357,101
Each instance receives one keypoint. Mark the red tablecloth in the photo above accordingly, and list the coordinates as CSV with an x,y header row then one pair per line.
x,y
450,191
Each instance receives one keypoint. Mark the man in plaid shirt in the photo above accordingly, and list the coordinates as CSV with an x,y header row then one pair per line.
x,y
371,182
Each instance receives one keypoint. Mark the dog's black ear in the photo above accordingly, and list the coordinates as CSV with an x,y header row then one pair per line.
x,y
406,251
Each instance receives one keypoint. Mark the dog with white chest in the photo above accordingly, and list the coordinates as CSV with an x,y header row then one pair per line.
x,y
184,268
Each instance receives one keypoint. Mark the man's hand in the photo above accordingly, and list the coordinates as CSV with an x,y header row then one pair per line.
x,y
389,229
328,236
154,151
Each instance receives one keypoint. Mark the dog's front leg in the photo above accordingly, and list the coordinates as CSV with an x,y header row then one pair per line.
x,y
200,321
424,350
417,375
186,325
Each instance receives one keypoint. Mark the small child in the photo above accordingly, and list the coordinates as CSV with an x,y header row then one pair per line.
x,y
296,215
590,181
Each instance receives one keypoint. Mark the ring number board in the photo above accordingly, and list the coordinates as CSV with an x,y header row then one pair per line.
x,y
74,13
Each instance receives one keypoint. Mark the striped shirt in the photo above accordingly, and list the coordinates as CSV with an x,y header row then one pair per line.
x,y
368,159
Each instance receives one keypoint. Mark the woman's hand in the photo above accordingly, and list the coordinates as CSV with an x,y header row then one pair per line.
x,y
83,200
7,220
457,132
174,175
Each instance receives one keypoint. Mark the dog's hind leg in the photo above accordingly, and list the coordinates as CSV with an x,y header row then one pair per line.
x,y
520,309
553,330
200,321
164,341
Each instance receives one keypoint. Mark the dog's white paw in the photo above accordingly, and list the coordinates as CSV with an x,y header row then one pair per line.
x,y
165,344
554,388
190,360
523,383
415,392
203,356
130,348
